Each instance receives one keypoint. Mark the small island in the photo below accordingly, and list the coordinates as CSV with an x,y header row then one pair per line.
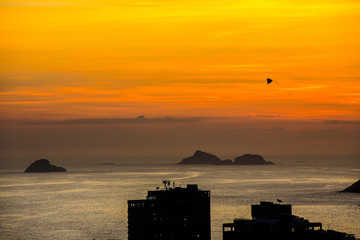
x,y
250,159
201,157
354,188
43,165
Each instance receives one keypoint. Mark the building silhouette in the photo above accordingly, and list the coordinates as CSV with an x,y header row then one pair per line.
x,y
173,213
275,221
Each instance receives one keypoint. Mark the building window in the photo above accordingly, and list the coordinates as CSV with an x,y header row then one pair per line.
x,y
228,229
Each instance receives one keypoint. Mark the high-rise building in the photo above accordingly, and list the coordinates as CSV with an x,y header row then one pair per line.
x,y
173,213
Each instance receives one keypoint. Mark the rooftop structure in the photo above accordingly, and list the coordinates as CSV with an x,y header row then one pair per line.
x,y
275,221
173,213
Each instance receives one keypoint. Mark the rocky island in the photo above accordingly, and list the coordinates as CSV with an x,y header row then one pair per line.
x,y
43,165
201,157
250,159
355,188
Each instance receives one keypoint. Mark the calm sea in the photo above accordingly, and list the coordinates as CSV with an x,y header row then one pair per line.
x,y
90,201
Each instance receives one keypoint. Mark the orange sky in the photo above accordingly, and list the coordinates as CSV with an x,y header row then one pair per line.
x,y
88,59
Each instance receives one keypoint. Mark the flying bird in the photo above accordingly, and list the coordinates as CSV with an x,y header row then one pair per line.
x,y
268,81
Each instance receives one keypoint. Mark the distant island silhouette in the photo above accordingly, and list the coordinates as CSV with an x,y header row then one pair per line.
x,y
250,159
201,157
43,165
354,188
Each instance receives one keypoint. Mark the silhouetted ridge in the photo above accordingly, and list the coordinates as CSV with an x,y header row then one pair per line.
x,y
227,162
200,157
355,188
250,159
43,165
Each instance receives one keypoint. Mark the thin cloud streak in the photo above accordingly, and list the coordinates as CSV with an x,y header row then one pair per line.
x,y
339,122
119,58
139,120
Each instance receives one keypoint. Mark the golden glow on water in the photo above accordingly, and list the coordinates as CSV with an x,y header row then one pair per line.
x,y
68,59
90,201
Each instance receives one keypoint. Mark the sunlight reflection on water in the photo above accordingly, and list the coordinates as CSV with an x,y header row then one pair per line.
x,y
86,204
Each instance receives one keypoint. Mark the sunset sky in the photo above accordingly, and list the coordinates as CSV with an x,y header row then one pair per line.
x,y
184,60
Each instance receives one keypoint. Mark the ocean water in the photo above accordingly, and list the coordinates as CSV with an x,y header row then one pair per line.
x,y
90,201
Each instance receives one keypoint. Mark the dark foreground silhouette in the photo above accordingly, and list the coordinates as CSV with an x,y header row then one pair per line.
x,y
275,221
355,188
201,157
172,213
176,213
43,165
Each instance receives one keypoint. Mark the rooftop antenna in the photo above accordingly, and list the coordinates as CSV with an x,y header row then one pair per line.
x,y
166,184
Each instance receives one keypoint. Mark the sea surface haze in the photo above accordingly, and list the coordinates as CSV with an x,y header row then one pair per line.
x,y
90,200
